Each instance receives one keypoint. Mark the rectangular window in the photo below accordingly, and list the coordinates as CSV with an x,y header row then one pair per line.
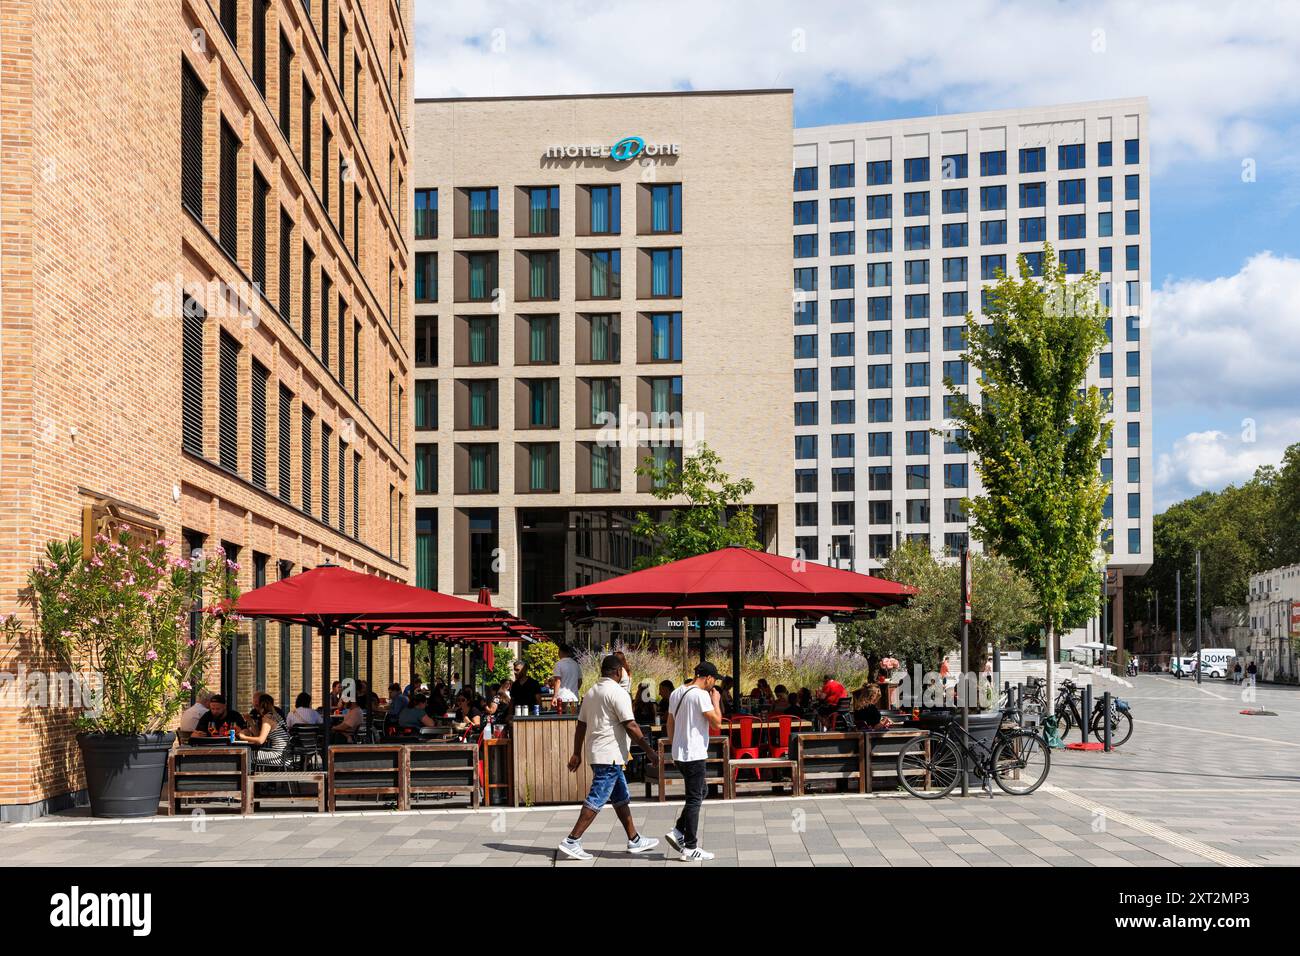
x,y
1132,222
843,412
1132,188
917,407
880,342
879,207
842,446
1130,152
879,444
955,166
193,318
1070,156
805,447
1072,227
192,96
953,201
842,480
261,191
426,214
1074,261
842,210
954,269
916,272
917,477
954,338
1033,229
544,275
326,457
228,403
1033,160
841,277
805,213
916,170
605,217
879,240
308,267
916,204
879,307
916,306
666,337
665,273
956,371
993,232
841,176
1105,227
805,481
916,238
879,376
805,245
666,208
805,178
805,380
1105,189
954,304
543,339
841,310
880,478
228,223
426,276
955,475
426,404
842,378
880,410
842,243
260,8
1104,153
426,469
955,235
805,413
1071,192
258,380
286,99
308,459
991,266
880,173
993,163
1033,194
842,345
1133,364
308,101
1132,258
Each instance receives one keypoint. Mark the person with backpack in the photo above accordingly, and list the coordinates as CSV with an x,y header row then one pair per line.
x,y
694,715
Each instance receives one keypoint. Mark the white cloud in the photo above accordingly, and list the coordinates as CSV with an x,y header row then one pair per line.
x,y
1229,343
1210,460
1216,73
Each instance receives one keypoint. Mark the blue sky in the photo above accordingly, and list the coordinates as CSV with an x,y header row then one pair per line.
x,y
1224,87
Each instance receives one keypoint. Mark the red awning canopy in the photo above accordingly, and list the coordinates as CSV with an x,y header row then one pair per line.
x,y
755,583
334,597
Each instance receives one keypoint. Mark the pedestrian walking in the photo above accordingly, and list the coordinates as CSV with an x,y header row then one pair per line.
x,y
1251,673
1236,673
694,714
605,722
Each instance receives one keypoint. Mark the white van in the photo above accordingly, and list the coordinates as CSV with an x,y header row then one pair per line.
x,y
1216,662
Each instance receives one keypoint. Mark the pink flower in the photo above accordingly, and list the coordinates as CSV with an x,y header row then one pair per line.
x,y
151,655
186,685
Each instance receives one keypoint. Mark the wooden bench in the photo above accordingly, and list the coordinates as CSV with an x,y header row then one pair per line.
x,y
207,773
442,769
738,764
291,777
367,770
837,756
717,768
883,747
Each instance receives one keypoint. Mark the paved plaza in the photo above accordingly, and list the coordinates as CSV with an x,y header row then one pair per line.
x,y
1199,784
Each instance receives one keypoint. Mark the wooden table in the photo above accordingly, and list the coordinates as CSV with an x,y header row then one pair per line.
x,y
540,748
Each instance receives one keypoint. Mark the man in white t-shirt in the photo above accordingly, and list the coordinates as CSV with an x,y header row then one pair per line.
x,y
191,714
568,670
694,714
604,724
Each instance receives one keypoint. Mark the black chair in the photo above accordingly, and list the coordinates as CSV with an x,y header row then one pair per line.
x,y
306,744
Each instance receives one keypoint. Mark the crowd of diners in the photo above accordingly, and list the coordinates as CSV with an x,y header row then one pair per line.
x,y
469,714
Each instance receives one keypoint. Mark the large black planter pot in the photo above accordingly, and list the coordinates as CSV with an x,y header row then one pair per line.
x,y
124,772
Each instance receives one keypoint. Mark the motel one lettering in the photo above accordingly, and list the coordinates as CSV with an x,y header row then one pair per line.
x,y
625,150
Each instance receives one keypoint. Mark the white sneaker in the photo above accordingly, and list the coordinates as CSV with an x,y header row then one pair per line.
x,y
695,855
641,844
675,838
573,849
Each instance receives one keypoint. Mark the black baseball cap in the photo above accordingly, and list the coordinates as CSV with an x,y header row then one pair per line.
x,y
706,669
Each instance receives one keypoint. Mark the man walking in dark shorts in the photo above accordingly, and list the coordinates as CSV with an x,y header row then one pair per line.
x,y
694,714
605,722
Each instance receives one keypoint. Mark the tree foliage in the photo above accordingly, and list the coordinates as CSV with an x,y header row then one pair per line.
x,y
1040,434
711,514
1004,608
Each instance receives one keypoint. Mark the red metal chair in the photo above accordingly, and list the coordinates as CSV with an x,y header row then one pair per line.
x,y
780,749
747,747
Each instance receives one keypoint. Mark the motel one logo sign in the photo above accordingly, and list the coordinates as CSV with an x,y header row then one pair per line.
x,y
625,150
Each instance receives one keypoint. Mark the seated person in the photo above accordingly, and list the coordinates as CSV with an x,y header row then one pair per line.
x,y
416,714
465,717
867,715
303,712
219,720
643,706
397,700
272,736
666,689
780,700
346,730
336,695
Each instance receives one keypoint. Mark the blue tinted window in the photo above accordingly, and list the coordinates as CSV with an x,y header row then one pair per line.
x,y
1132,189
842,176
1132,222
879,444
916,237
805,380
841,310
842,446
918,443
916,374
1106,365
880,410
955,475
954,338
1134,398
843,412
880,240
879,376
993,197
1071,191
1134,434
993,163
1133,364
842,209
916,170
1103,153
1131,258
1070,157
878,275
1073,261
993,232
954,269
841,378
1104,225
1033,194
1134,470
916,272
805,346
1072,227
991,265
841,243
805,279
954,200
917,408
916,340
841,277
954,303
880,342
879,308
917,306
805,212
1033,229
805,246
879,207
1134,538
1035,262
916,204
955,234
805,311
805,446
880,173
954,167
1104,263
1130,152
805,178
1033,160
1105,189
956,370
805,413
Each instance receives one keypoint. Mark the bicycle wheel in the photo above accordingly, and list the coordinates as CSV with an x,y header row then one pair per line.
x,y
929,767
1020,762
1064,721
1121,726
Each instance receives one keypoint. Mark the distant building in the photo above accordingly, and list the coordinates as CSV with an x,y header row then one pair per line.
x,y
1275,621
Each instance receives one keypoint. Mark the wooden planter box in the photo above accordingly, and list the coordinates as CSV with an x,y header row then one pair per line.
x,y
357,770
442,769
207,773
839,756
717,769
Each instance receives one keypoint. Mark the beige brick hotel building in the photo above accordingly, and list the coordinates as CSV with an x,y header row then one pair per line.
x,y
596,279
205,245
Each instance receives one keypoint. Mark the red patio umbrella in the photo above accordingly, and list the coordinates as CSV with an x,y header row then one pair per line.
x,y
738,581
332,598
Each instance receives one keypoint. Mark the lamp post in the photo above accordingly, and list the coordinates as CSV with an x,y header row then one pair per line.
x,y
1198,615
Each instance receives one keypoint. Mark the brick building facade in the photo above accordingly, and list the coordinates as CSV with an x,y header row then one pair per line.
x,y
204,245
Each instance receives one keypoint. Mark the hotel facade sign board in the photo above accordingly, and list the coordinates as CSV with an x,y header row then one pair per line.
x,y
625,150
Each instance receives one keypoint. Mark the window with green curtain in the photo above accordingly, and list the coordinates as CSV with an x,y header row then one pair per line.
x,y
426,549
478,405
539,339
538,287
426,468
542,204
661,336
478,468
666,208
425,396
478,277
478,341
661,396
539,461
664,279
604,400
604,335
604,274
541,401
600,466
482,206
604,210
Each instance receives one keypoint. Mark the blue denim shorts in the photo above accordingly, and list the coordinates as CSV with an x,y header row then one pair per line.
x,y
608,785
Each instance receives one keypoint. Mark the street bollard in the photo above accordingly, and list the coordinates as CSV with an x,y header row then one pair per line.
x,y
1087,709
1106,704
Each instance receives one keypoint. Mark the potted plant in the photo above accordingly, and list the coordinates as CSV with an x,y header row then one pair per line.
x,y
128,620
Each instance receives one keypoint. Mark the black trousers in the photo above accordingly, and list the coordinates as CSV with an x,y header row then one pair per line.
x,y
689,820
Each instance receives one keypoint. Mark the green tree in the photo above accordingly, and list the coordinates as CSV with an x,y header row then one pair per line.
x,y
1286,516
541,658
711,515
503,659
1040,434
1003,609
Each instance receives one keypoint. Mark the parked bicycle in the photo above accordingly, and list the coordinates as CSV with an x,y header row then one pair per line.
x,y
930,766
1069,706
